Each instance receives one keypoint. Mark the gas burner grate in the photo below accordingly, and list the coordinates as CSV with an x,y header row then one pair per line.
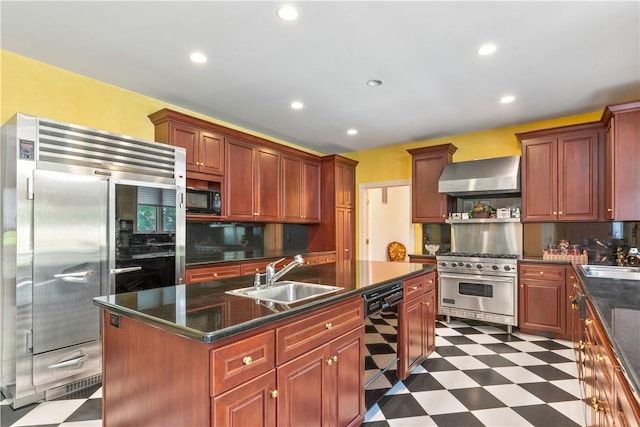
x,y
479,255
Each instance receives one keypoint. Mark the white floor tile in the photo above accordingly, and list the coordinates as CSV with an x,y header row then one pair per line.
x,y
466,362
528,337
570,368
398,388
441,342
456,324
483,339
454,379
374,414
501,417
570,386
574,410
526,346
475,349
439,402
447,332
513,395
523,359
490,329
518,374
53,412
568,353
90,423
412,422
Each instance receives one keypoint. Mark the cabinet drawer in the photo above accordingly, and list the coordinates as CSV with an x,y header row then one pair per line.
x,y
253,268
319,327
196,275
310,260
241,361
418,285
542,272
326,259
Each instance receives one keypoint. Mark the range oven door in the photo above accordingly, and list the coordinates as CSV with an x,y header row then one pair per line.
x,y
480,293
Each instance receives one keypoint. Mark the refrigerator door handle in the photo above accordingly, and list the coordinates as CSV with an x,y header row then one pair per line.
x,y
125,270
75,362
79,277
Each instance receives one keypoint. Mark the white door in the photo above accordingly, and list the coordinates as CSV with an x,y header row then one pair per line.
x,y
386,217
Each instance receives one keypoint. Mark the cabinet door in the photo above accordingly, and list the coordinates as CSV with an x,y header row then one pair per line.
x,y
310,196
539,180
578,176
186,136
543,301
413,332
211,153
624,154
292,188
428,205
347,378
303,390
345,185
250,404
344,234
239,181
267,185
430,321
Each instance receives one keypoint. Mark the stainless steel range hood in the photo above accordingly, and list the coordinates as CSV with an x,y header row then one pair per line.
x,y
494,176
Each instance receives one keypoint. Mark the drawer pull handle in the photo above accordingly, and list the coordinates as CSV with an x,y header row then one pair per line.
x,y
274,393
332,360
599,405
247,360
328,325
600,358
588,322
414,288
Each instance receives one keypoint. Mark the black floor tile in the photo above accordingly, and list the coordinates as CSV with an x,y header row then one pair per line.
x,y
449,351
422,382
552,345
494,360
438,364
460,419
457,340
486,377
476,398
400,406
549,372
10,416
375,424
501,348
549,357
89,410
468,331
547,392
506,337
544,415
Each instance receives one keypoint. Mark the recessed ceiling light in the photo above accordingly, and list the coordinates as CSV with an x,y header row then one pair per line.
x,y
297,105
352,131
287,13
198,57
507,99
487,49
374,82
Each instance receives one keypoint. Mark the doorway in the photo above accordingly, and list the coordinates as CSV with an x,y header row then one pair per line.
x,y
386,217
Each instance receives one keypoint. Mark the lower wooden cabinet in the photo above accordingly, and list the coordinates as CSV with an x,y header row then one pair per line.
x,y
417,329
251,404
543,304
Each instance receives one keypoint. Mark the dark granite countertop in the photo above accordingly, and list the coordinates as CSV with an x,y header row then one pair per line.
x,y
204,312
234,256
617,304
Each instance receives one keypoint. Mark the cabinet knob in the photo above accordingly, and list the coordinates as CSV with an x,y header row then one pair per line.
x,y
599,405
542,273
215,274
560,213
346,250
600,358
247,360
328,325
609,210
588,322
274,393
414,288
332,360
555,213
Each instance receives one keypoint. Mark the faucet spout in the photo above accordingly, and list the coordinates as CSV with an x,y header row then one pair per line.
x,y
272,276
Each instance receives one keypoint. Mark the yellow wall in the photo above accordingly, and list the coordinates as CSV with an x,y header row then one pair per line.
x,y
32,87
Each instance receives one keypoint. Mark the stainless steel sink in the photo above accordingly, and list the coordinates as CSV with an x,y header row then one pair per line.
x,y
285,292
611,272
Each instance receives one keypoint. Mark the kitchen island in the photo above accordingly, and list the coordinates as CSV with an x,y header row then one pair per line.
x,y
195,355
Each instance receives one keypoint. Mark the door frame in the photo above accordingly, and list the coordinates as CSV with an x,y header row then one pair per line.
x,y
363,247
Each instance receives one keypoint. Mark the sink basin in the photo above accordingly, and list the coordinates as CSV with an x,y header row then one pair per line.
x,y
286,292
611,272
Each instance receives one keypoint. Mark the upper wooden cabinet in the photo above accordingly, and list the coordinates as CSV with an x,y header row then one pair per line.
x,y
204,146
252,182
560,173
622,157
429,206
300,189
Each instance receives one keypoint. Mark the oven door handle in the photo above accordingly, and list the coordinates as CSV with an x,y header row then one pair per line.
x,y
476,277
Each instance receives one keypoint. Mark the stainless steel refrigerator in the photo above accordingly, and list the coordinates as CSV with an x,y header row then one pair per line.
x,y
84,213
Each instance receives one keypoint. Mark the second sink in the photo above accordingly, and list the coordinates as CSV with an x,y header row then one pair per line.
x,y
286,292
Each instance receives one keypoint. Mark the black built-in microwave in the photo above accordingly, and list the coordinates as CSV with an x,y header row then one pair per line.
x,y
200,201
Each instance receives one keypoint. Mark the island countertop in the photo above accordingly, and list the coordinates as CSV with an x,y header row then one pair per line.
x,y
205,312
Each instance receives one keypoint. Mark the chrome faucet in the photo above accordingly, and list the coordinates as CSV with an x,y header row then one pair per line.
x,y
272,276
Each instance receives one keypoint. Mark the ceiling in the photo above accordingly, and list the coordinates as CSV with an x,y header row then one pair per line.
x,y
558,58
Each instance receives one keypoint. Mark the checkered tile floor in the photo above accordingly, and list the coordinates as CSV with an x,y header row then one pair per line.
x,y
478,376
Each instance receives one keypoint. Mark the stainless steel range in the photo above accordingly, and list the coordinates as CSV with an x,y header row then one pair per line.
x,y
479,279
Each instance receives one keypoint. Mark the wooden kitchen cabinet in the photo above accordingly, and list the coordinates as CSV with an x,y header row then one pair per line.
x,y
252,182
250,404
205,274
427,164
300,190
336,230
542,298
621,159
560,173
416,331
205,148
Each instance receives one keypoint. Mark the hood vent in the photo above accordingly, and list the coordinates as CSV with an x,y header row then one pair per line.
x,y
495,176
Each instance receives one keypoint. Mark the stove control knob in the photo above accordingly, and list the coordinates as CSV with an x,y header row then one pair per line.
x,y
453,264
479,266
443,263
507,268
469,265
495,267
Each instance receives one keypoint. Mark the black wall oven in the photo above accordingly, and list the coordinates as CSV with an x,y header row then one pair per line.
x,y
381,340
